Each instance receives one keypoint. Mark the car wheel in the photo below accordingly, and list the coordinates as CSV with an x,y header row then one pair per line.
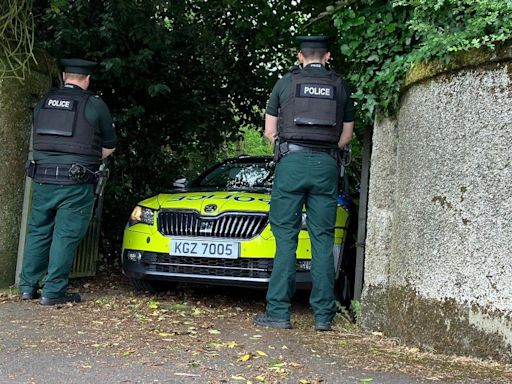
x,y
148,285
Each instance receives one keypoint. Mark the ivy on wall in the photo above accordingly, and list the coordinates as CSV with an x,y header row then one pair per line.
x,y
381,40
447,26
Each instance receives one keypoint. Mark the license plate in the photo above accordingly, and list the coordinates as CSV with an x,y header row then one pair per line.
x,y
205,248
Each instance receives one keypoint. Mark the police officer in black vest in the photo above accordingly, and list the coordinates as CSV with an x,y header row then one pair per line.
x,y
72,132
310,114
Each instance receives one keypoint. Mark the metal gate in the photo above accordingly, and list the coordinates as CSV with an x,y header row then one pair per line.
x,y
87,253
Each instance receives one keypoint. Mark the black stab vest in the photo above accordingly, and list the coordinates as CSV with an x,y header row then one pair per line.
x,y
61,125
313,114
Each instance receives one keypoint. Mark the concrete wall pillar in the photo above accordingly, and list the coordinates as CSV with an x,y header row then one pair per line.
x,y
438,271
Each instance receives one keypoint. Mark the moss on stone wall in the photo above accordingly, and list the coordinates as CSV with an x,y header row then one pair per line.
x,y
440,326
463,59
16,102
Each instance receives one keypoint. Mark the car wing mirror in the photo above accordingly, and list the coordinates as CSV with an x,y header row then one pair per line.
x,y
180,183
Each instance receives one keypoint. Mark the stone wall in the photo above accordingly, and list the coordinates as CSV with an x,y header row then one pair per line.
x,y
16,102
438,269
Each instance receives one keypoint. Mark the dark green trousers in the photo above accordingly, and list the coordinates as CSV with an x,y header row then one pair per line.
x,y
58,221
303,179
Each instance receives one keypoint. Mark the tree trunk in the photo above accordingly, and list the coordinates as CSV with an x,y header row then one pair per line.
x,y
17,98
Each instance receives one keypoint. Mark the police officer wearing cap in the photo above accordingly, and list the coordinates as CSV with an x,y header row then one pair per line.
x,y
309,116
72,132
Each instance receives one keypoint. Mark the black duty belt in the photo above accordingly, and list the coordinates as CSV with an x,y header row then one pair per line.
x,y
63,174
302,148
283,149
287,148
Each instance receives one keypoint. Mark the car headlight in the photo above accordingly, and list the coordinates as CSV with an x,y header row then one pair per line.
x,y
142,215
304,225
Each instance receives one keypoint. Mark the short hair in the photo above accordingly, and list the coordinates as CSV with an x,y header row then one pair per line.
x,y
75,76
314,53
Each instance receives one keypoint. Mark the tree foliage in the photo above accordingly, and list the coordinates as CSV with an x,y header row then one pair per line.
x,y
375,40
181,78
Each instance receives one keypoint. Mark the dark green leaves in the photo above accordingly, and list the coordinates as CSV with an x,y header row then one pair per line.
x,y
373,38
155,89
57,5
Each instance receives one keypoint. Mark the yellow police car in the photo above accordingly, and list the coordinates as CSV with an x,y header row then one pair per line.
x,y
215,230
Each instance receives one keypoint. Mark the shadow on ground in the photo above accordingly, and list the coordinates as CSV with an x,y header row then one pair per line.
x,y
204,335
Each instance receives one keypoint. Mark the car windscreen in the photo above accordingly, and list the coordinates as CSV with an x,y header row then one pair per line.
x,y
238,175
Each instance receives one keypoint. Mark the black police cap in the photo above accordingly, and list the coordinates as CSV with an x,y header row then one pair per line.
x,y
318,41
83,67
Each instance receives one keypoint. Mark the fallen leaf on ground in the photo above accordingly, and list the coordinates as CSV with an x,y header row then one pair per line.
x,y
245,357
278,370
186,374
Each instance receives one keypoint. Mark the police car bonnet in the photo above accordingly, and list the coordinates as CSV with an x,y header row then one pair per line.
x,y
82,67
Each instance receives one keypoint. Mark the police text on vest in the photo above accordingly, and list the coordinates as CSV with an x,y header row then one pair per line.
x,y
59,103
320,91
317,91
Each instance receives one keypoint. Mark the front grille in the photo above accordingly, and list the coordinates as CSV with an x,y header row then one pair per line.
x,y
227,225
253,268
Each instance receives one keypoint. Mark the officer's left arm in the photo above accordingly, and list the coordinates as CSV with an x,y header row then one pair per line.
x,y
349,114
346,135
270,127
106,152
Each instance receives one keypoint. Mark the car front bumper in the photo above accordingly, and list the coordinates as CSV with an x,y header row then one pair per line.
x,y
243,272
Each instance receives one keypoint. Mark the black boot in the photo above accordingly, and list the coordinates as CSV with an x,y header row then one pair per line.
x,y
67,298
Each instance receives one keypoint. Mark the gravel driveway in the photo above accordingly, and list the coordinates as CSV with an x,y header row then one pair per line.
x,y
204,335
